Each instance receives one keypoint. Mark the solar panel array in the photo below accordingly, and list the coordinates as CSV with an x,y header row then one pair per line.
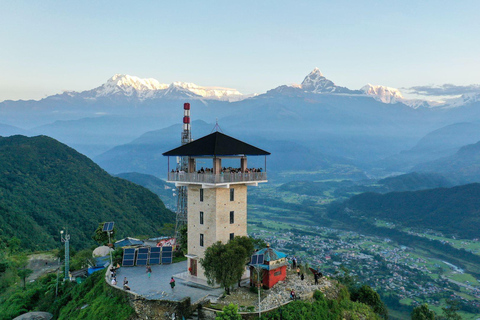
x,y
167,255
154,255
107,226
128,257
146,255
142,256
257,259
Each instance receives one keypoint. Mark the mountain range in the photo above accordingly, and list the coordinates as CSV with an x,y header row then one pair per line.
x,y
316,121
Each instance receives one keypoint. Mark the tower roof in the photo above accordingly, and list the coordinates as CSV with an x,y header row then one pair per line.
x,y
217,144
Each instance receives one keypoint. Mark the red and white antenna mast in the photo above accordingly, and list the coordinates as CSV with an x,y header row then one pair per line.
x,y
182,165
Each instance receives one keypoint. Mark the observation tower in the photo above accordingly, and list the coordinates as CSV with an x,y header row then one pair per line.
x,y
217,196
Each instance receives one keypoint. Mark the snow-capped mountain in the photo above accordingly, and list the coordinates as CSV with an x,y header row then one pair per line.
x,y
463,100
315,82
393,95
142,89
383,93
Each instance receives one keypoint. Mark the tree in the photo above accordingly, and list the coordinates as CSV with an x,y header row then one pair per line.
x,y
101,236
422,312
14,244
450,311
245,242
183,239
229,313
168,229
224,263
365,294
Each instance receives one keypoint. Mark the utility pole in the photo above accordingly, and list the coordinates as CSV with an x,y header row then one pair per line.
x,y
66,240
259,286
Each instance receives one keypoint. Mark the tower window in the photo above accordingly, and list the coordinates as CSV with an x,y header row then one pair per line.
x,y
232,194
201,195
201,217
201,239
232,235
232,217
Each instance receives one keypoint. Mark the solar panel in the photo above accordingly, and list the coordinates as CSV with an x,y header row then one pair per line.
x,y
154,260
108,226
257,259
166,260
167,256
142,256
154,255
260,259
169,248
128,257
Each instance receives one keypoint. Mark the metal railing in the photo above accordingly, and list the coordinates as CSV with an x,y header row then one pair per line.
x,y
217,178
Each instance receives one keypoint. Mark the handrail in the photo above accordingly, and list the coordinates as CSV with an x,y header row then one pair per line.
x,y
228,177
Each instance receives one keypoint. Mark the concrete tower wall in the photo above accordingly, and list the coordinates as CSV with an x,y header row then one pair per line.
x,y
216,207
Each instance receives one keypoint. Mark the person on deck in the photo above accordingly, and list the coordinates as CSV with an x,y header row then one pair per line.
x,y
172,283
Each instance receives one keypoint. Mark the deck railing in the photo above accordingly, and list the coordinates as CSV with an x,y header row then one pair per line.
x,y
217,178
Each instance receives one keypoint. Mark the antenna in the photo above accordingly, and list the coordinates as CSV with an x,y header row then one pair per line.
x,y
217,127
181,217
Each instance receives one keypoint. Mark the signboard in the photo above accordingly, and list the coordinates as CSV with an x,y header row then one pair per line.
x,y
167,243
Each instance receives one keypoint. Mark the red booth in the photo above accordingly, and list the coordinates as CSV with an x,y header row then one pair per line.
x,y
270,265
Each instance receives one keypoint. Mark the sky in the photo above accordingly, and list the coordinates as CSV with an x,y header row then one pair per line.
x,y
47,47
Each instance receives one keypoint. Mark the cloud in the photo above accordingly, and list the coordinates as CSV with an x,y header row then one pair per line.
x,y
444,90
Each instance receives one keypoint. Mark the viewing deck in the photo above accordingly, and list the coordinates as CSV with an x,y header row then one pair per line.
x,y
205,179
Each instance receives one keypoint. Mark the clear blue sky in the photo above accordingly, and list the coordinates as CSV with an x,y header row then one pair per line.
x,y
253,46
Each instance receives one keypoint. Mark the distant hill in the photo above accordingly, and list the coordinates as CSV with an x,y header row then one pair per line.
x,y
437,144
158,186
45,186
453,211
7,130
346,188
463,166
415,181
144,155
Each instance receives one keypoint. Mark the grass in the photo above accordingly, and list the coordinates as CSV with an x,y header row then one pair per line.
x,y
463,278
406,301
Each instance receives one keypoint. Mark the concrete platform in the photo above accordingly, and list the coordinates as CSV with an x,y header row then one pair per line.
x,y
157,287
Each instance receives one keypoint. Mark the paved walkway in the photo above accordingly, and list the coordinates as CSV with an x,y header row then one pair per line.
x,y
157,287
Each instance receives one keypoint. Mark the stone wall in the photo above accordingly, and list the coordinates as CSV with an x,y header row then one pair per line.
x,y
216,207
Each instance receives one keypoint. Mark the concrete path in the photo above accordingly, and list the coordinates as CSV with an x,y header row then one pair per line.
x,y
157,287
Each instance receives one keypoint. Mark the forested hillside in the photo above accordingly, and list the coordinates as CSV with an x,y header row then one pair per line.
x,y
46,185
453,211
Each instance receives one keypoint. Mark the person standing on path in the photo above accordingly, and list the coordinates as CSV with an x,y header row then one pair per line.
x,y
149,271
316,278
172,283
298,271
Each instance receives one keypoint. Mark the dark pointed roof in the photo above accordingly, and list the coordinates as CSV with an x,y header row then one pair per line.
x,y
217,144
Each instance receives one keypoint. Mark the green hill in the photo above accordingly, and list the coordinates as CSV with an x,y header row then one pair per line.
x,y
346,188
154,184
45,186
463,166
453,211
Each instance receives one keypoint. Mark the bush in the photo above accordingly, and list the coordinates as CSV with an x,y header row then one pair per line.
x,y
230,312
